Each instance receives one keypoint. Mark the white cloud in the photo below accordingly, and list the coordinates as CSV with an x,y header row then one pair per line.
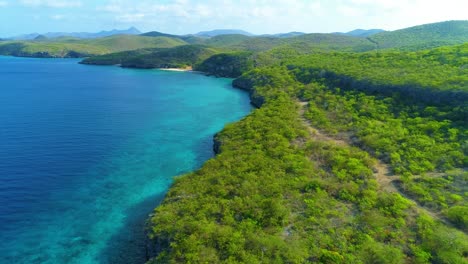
x,y
57,17
256,16
213,13
380,3
203,10
51,3
350,11
131,18
112,8
270,16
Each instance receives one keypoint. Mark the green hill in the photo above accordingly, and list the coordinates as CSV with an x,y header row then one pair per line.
x,y
158,34
73,47
228,41
117,58
362,32
227,64
190,39
304,42
433,75
357,153
423,36
298,180
131,42
332,42
49,49
177,57
414,38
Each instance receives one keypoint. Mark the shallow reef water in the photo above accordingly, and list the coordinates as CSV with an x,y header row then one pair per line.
x,y
87,152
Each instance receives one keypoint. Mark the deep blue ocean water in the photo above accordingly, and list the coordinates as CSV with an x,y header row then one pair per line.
x,y
86,153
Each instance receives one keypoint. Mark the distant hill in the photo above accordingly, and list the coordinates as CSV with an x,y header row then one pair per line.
x,y
131,42
289,34
227,40
361,32
176,57
218,32
301,43
24,37
423,36
40,37
191,39
85,35
414,38
159,34
330,42
284,35
73,47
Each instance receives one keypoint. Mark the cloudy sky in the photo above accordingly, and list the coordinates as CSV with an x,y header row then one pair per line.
x,y
191,16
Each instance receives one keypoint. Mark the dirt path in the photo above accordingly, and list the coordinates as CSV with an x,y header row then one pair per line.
x,y
385,179
316,134
382,171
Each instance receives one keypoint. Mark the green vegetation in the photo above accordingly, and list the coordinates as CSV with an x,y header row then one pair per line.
x,y
227,64
177,57
369,69
431,75
227,40
331,42
277,193
189,39
325,42
300,180
415,38
73,47
130,42
414,139
45,50
424,36
118,57
274,194
410,139
446,193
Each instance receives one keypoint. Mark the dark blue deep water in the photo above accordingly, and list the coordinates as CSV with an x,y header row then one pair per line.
x,y
86,153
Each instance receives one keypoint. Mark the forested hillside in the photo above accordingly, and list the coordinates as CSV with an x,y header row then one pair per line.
x,y
78,48
350,158
357,153
325,42
424,36
318,174
434,75
414,38
185,56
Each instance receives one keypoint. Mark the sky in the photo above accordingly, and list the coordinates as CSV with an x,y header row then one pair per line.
x,y
191,16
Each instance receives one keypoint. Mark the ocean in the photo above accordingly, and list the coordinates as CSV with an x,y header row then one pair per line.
x,y
87,153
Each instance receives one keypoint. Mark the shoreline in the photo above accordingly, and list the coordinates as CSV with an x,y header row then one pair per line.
x,y
176,69
138,218
187,69
181,70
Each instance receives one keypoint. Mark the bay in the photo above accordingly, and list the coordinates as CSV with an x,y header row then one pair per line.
x,y
87,152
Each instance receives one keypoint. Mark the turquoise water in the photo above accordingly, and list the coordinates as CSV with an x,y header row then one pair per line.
x,y
86,153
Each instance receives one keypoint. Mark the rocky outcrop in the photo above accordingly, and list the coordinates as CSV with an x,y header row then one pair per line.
x,y
216,144
246,84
